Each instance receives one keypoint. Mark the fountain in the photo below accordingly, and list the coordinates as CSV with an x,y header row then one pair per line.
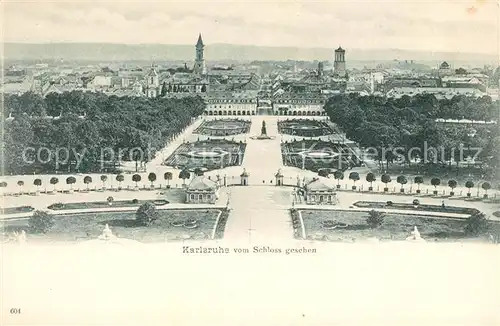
x,y
263,133
415,236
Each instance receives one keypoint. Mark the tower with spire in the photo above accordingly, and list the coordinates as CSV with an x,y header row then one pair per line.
x,y
152,82
199,64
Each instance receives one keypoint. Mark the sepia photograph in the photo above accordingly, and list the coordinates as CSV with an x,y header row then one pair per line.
x,y
250,162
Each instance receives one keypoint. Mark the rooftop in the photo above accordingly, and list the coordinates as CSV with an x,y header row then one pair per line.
x,y
318,185
202,183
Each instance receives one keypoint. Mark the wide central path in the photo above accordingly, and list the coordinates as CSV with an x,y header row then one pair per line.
x,y
259,215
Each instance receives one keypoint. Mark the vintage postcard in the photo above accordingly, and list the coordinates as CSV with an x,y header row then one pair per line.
x,y
250,163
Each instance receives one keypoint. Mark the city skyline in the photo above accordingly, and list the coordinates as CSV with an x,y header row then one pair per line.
x,y
462,26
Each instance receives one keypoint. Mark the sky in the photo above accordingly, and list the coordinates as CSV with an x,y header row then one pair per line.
x,y
435,25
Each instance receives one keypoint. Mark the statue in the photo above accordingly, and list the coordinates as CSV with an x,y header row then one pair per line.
x,y
415,236
107,234
20,237
263,133
263,130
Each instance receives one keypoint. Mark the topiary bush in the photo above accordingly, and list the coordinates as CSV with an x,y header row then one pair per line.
x,y
40,222
375,219
146,214
477,224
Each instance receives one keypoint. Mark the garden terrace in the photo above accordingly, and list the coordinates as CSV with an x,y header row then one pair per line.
x,y
304,128
171,225
352,226
419,207
209,154
223,127
316,154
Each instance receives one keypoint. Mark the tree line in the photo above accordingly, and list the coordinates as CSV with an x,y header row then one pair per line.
x,y
410,122
93,127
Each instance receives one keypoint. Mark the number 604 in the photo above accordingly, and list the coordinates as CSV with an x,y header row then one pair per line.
x,y
15,311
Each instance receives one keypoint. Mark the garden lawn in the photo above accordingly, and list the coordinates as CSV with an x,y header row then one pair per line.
x,y
89,226
395,226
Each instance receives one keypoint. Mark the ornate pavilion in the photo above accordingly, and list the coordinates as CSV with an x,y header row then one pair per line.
x,y
317,192
202,190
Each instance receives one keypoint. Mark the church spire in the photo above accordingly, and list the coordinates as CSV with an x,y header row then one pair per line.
x,y
199,63
200,41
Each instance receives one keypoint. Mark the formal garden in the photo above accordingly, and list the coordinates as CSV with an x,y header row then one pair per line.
x,y
304,128
349,226
208,154
315,155
223,127
146,224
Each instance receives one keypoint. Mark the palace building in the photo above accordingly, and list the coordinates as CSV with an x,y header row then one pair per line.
x,y
299,104
224,103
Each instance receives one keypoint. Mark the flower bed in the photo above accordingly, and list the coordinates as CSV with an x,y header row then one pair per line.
x,y
191,223
16,210
177,223
102,204
419,207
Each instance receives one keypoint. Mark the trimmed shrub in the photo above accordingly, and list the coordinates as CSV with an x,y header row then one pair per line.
x,y
477,224
40,222
146,214
375,219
